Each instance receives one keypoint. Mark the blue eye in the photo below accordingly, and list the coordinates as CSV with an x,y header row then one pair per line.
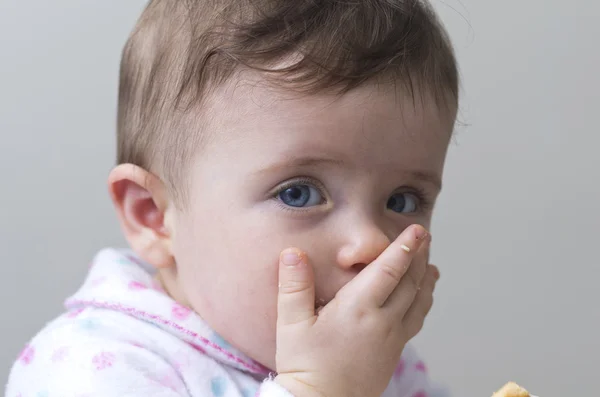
x,y
300,196
403,203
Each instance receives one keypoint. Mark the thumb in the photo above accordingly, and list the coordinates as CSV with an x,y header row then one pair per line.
x,y
296,300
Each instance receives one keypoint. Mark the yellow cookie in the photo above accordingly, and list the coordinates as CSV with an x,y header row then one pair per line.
x,y
511,389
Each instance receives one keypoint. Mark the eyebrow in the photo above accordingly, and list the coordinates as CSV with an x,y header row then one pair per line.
x,y
312,162
428,177
302,162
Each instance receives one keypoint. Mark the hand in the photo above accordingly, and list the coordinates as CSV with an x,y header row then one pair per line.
x,y
353,345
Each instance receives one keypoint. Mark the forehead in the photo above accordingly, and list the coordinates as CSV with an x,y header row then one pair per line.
x,y
372,125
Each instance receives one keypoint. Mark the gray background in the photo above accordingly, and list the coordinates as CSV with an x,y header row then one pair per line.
x,y
516,231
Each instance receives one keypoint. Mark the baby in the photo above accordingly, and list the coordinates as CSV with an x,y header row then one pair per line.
x,y
278,165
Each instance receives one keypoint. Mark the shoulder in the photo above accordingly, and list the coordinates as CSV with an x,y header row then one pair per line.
x,y
84,355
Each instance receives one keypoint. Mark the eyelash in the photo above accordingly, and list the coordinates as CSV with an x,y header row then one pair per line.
x,y
295,182
424,202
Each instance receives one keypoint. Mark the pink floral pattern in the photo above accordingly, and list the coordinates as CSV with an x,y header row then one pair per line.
x,y
60,354
98,282
136,286
400,369
420,366
168,381
27,355
119,294
180,312
103,360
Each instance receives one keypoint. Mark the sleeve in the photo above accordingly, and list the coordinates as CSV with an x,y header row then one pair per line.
x,y
412,380
269,388
89,367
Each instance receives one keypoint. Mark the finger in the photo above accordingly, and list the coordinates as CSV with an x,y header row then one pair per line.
x,y
415,316
378,280
436,274
404,295
296,298
416,272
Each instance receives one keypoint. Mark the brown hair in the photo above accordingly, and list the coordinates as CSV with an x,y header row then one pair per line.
x,y
181,49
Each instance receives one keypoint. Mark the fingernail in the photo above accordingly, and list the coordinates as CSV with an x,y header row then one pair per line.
x,y
291,258
421,234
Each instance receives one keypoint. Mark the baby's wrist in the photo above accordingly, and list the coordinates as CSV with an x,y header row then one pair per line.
x,y
297,387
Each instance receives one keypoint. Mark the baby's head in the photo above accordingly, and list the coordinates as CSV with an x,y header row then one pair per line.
x,y
247,127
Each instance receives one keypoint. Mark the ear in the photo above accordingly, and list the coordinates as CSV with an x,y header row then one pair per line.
x,y
142,206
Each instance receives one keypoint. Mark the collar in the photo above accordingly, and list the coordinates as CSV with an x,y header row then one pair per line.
x,y
118,280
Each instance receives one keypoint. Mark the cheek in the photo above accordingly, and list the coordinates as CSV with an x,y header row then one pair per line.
x,y
235,254
240,255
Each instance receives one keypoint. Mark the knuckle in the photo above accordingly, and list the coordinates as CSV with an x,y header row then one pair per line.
x,y
392,272
294,286
427,285
362,315
414,280
388,330
424,301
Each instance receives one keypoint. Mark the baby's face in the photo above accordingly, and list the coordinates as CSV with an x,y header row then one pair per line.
x,y
339,178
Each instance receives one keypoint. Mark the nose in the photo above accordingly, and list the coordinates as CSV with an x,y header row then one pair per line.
x,y
361,246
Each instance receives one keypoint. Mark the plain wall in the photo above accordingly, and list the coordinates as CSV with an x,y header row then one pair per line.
x,y
516,229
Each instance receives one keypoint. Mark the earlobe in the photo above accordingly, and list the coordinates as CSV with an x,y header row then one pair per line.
x,y
141,201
